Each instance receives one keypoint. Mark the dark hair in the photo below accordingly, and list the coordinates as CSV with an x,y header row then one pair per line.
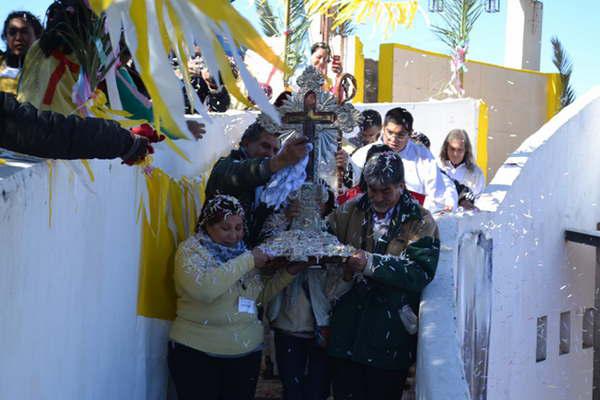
x,y
371,118
384,169
399,116
373,151
217,209
320,45
26,16
459,134
61,16
252,133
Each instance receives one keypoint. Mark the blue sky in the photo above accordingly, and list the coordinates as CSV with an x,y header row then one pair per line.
x,y
575,22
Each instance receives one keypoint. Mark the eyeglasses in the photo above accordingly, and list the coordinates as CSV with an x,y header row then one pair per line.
x,y
13,31
400,135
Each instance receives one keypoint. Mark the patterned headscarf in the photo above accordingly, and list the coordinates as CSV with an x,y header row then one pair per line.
x,y
217,209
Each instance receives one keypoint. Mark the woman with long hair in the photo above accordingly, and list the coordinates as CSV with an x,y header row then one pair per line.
x,y
456,161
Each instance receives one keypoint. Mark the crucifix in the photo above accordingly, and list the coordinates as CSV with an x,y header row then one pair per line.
x,y
321,119
310,194
309,119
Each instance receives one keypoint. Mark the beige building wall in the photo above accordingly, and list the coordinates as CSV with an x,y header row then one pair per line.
x,y
519,101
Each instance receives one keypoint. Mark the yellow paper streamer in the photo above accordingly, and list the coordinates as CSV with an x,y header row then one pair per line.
x,y
389,14
161,112
482,138
241,29
98,6
171,205
86,164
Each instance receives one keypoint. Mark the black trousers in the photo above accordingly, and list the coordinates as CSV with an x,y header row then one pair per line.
x,y
356,381
198,376
303,368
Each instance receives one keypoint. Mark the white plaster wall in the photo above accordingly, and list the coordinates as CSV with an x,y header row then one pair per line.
x,y
551,183
557,187
523,36
68,323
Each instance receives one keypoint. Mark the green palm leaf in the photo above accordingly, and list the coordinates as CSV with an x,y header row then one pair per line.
x,y
565,68
269,22
90,46
458,18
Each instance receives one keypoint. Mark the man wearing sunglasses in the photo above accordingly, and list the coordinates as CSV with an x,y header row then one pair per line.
x,y
21,29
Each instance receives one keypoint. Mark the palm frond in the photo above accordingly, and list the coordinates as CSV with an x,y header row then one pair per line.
x,y
299,25
459,18
564,66
269,22
91,47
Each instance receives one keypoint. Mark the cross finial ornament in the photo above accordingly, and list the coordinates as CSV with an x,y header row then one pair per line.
x,y
309,118
318,116
316,111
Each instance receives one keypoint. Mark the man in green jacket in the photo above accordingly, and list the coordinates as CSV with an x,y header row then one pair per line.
x,y
251,166
373,327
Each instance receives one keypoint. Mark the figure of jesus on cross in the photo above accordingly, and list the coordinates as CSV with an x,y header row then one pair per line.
x,y
309,119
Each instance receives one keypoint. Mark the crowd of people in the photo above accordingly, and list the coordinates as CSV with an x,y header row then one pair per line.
x,y
344,329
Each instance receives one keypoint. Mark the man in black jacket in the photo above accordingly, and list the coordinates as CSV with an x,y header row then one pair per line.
x,y
250,167
52,135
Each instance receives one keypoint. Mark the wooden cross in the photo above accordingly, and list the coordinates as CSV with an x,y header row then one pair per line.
x,y
309,119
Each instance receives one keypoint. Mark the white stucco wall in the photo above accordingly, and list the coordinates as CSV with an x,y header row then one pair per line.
x,y
551,183
68,325
554,180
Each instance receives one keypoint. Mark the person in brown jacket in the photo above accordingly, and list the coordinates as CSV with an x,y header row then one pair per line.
x,y
373,327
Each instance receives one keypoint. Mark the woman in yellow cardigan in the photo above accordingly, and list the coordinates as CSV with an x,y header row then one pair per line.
x,y
217,338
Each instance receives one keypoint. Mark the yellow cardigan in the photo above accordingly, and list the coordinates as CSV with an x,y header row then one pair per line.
x,y
208,318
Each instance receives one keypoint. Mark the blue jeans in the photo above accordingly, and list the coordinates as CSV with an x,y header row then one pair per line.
x,y
303,368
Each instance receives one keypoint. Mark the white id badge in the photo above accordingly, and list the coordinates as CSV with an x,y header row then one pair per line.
x,y
246,305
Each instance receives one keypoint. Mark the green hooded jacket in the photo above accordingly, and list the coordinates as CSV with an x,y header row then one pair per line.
x,y
366,326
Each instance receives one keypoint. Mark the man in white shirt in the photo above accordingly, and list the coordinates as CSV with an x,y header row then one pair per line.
x,y
422,175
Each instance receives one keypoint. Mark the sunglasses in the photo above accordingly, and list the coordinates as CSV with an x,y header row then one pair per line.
x,y
13,31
